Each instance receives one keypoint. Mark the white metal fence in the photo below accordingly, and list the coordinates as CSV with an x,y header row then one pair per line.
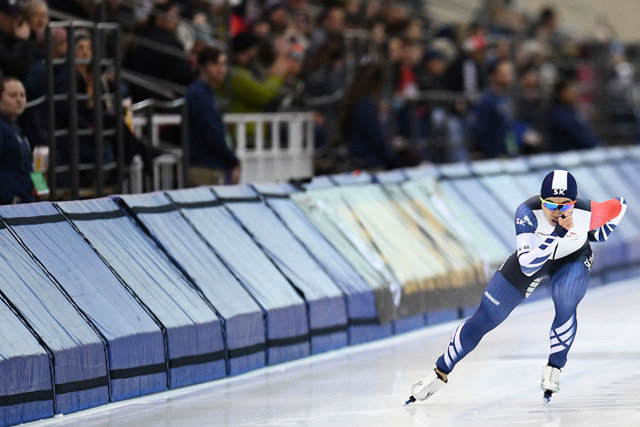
x,y
270,146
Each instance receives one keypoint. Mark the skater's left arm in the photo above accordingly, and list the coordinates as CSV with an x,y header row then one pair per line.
x,y
605,217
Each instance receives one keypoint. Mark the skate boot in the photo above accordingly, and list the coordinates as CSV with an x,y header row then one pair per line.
x,y
423,389
550,382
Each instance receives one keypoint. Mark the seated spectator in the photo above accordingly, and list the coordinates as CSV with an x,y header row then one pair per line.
x,y
209,154
248,93
437,120
414,33
407,89
331,25
277,15
18,50
431,75
325,68
408,81
15,152
161,29
292,90
492,118
468,72
530,112
34,119
85,70
85,110
360,120
567,130
36,13
621,94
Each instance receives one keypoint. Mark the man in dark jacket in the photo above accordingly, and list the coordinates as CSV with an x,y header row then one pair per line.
x,y
567,130
492,117
15,153
210,156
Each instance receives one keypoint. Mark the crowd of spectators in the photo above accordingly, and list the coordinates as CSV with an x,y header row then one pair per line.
x,y
387,85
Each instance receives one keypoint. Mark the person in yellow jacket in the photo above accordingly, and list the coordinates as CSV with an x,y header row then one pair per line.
x,y
250,94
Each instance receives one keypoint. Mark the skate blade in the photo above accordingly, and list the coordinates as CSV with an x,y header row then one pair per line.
x,y
410,400
546,398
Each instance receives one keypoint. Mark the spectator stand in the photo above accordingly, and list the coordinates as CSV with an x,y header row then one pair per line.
x,y
433,124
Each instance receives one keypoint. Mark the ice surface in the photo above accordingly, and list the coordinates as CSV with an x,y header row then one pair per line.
x,y
497,385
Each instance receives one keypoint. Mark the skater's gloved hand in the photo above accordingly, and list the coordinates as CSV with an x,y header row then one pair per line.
x,y
565,223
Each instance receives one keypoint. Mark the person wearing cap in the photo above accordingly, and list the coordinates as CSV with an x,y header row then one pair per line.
x,y
18,50
554,231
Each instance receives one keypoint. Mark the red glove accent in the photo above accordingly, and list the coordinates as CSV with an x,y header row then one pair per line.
x,y
603,212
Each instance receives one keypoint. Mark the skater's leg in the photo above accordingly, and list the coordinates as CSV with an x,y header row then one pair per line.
x,y
568,286
498,301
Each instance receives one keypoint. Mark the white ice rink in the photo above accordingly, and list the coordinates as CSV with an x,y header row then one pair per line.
x,y
496,385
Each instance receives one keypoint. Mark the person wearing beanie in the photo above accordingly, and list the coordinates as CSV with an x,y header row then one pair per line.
x,y
554,231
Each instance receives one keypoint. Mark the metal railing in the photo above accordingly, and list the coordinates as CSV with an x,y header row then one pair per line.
x,y
280,148
147,122
99,33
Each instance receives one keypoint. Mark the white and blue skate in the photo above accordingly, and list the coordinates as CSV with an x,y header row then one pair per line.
x,y
550,382
424,389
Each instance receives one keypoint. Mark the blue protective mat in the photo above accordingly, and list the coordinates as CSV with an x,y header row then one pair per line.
x,y
495,215
26,390
137,359
62,329
324,300
194,332
361,308
243,318
287,323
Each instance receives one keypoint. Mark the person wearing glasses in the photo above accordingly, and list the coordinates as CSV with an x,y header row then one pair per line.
x,y
554,232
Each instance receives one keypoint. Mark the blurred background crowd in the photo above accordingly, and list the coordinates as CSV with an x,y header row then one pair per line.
x,y
390,83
